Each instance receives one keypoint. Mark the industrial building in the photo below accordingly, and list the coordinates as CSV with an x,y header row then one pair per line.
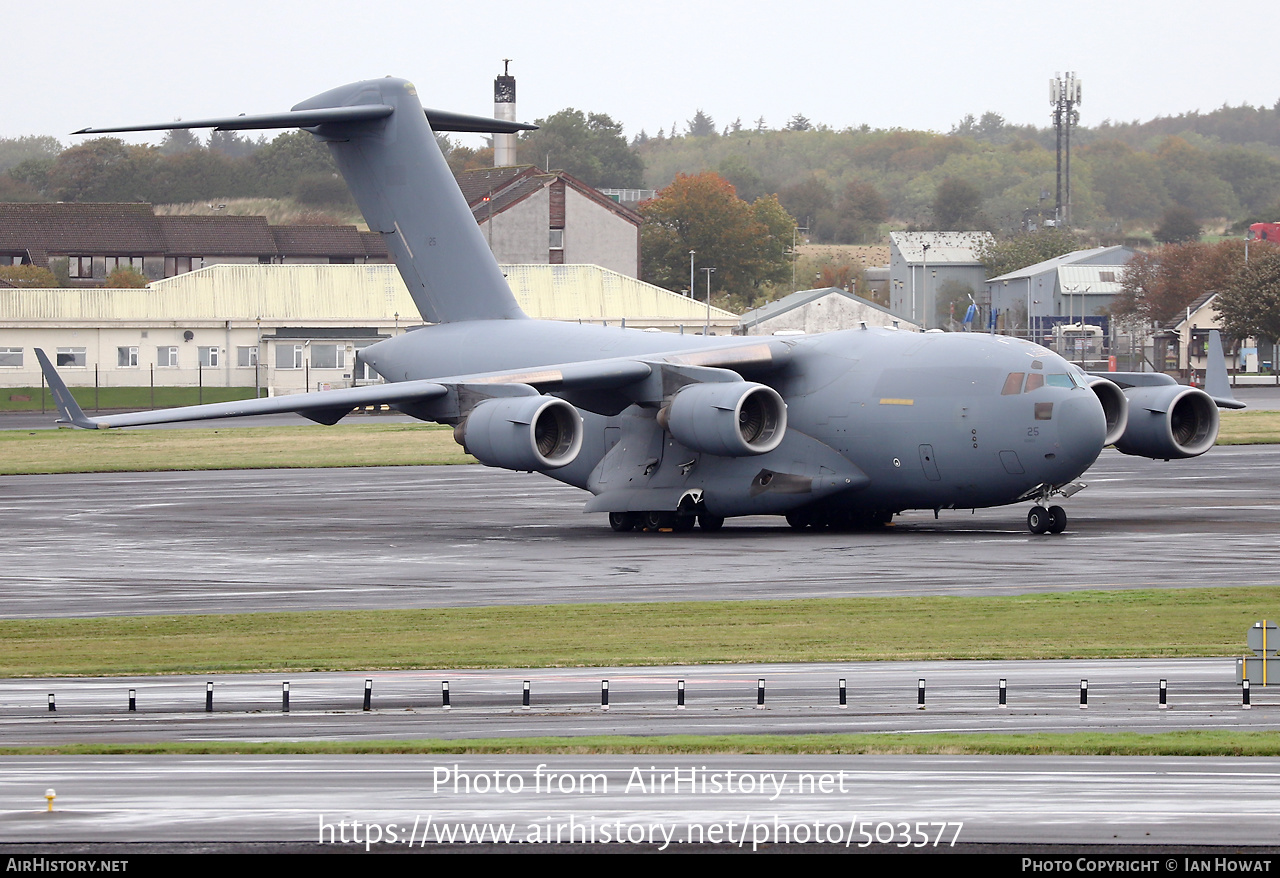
x,y
285,328
819,310
927,269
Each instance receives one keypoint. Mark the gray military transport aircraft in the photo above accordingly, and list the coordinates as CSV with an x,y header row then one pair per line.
x,y
842,429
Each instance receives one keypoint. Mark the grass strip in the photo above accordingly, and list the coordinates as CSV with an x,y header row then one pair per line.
x,y
1080,624
1181,743
77,451
1248,428
35,399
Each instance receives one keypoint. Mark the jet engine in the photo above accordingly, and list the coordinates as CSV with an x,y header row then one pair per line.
x,y
730,419
522,432
1115,406
1169,421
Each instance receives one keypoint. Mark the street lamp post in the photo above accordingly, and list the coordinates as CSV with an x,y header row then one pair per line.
x,y
691,252
706,327
924,266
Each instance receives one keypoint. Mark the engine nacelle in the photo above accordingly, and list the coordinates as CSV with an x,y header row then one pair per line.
x,y
522,432
1169,421
1115,406
730,419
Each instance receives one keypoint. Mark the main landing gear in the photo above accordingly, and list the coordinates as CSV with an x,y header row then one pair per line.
x,y
624,522
1052,520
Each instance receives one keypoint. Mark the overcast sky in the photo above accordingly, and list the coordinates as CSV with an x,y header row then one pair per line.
x,y
646,63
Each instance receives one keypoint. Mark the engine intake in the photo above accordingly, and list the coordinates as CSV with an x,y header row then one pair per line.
x,y
1170,421
522,433
730,419
1115,405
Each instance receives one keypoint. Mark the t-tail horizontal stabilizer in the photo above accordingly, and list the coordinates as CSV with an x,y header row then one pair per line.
x,y
383,142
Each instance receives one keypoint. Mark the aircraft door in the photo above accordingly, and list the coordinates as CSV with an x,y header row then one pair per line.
x,y
929,463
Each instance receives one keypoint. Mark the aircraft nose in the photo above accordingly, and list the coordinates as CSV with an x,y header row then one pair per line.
x,y
1082,428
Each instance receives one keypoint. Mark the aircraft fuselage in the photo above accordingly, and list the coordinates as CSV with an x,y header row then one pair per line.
x,y
877,420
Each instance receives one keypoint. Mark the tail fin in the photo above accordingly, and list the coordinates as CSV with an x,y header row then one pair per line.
x,y
69,410
383,143
1215,375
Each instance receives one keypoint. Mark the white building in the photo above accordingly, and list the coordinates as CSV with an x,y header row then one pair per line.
x,y
284,328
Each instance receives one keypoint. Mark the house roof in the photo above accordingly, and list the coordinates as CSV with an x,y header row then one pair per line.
x,y
804,297
1072,258
319,241
945,248
1091,279
217,235
1199,303
134,230
86,229
509,186
475,185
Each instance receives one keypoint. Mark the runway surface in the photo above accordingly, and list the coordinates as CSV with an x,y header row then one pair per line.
x,y
407,537
738,801
458,536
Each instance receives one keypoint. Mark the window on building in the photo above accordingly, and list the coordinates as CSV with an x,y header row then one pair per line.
x,y
289,356
363,371
247,356
555,239
114,262
10,356
209,357
328,356
127,356
166,356
80,266
1107,277
71,357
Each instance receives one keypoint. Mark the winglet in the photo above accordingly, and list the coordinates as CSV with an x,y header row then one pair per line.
x,y
68,408
1215,375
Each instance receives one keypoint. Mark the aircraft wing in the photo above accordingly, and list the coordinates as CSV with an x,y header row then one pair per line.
x,y
325,407
613,383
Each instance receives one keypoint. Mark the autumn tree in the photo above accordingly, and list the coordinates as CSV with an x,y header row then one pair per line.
x,y
1159,285
1178,224
590,146
747,244
125,278
1250,305
27,276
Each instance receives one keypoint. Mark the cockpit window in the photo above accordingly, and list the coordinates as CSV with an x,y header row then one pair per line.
x,y
1034,382
1059,380
1013,384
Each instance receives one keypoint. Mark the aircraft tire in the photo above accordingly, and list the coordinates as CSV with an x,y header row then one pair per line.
x,y
1038,520
658,520
1057,519
684,523
710,523
622,522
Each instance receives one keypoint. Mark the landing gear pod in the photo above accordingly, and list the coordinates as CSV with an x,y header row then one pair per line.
x,y
522,433
730,419
1169,421
1115,405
